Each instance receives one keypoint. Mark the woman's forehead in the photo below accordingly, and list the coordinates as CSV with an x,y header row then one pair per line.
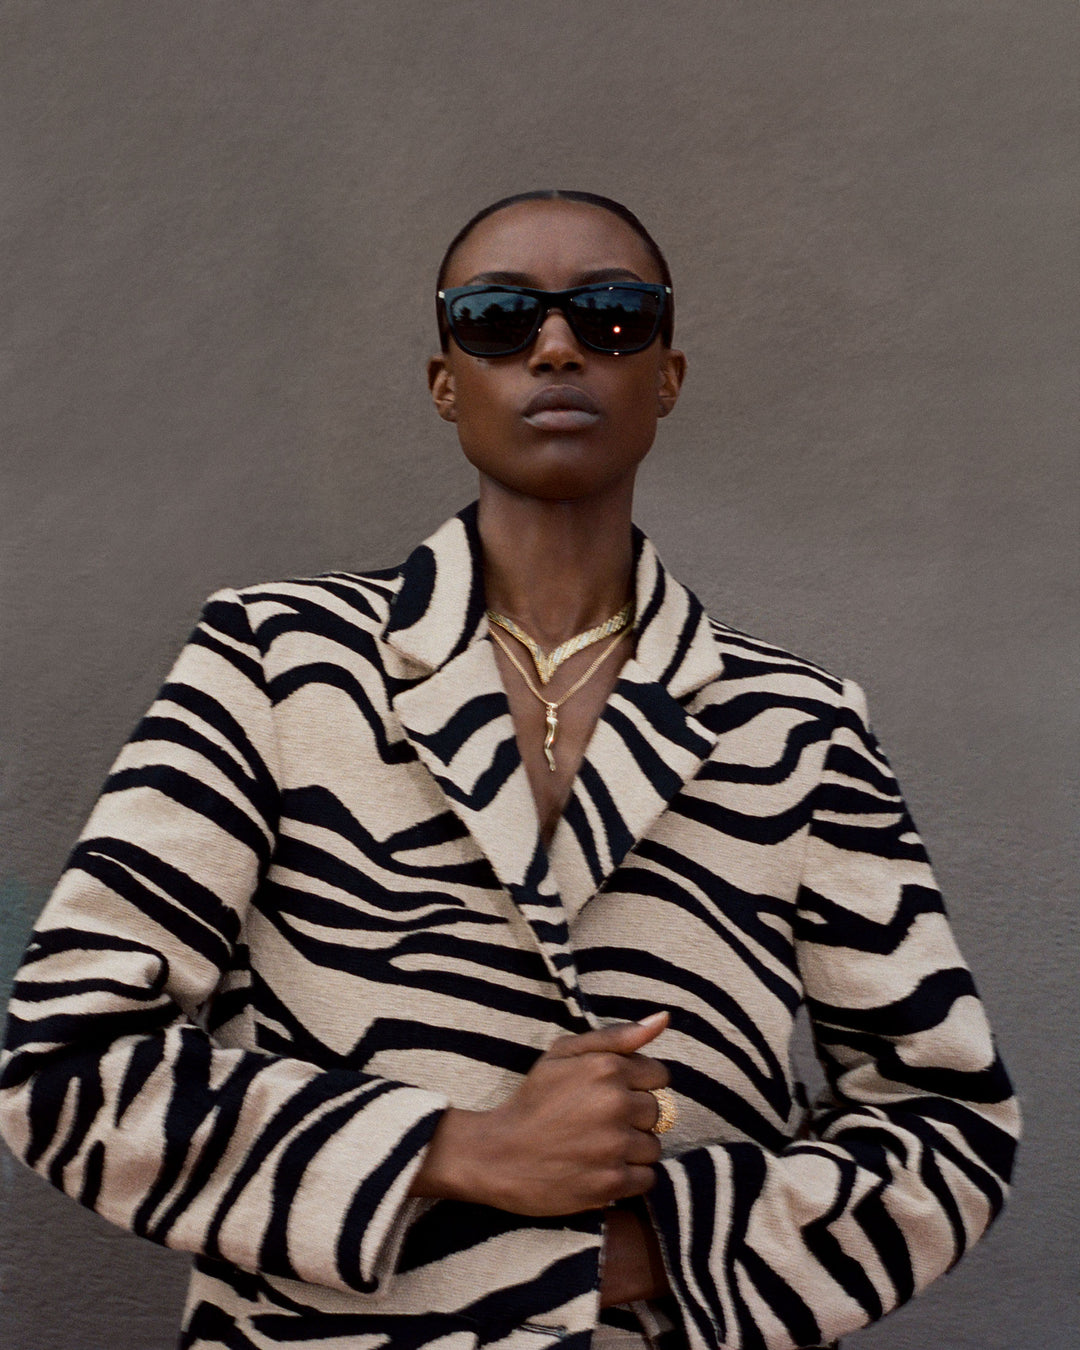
x,y
553,242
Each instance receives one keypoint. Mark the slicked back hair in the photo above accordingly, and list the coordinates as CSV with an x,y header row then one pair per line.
x,y
624,213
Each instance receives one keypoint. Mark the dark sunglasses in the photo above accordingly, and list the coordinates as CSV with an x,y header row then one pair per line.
x,y
616,317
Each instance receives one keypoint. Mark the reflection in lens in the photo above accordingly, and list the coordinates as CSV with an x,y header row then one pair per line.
x,y
616,319
497,321
487,323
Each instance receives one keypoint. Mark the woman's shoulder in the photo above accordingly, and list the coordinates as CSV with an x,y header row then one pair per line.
x,y
745,655
363,597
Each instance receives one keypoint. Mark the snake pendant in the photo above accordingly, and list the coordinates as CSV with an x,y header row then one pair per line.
x,y
551,716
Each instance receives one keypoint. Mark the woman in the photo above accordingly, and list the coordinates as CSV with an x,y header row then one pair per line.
x,y
429,963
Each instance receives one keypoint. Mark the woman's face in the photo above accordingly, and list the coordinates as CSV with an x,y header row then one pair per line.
x,y
548,454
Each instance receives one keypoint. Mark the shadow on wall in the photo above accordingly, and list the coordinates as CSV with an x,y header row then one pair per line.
x,y
20,906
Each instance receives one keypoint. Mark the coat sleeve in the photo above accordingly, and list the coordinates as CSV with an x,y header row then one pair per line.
x,y
911,1147
112,1088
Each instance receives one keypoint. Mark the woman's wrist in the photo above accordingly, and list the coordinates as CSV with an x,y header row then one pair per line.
x,y
452,1167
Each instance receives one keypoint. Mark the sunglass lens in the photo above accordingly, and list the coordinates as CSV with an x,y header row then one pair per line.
x,y
488,323
617,318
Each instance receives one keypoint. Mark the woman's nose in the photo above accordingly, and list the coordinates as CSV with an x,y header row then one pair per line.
x,y
556,347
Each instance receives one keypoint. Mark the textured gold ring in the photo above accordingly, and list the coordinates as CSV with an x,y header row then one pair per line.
x,y
669,1112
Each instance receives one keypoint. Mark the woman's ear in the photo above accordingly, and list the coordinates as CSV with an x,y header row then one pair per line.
x,y
441,383
672,374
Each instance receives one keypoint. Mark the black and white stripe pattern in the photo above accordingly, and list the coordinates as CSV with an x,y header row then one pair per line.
x,y
311,908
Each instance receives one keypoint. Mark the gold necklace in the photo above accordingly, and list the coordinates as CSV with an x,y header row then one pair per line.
x,y
547,663
551,710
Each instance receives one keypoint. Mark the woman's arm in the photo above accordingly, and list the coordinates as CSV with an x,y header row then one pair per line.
x,y
112,1089
911,1150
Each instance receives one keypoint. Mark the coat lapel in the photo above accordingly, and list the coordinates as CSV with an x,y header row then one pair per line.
x,y
455,713
647,744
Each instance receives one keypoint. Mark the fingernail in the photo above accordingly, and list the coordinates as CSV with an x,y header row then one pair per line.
x,y
651,1019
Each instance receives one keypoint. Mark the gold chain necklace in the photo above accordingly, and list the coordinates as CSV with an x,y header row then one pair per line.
x,y
551,710
547,663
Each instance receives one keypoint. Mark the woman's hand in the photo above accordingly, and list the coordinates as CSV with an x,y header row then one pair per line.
x,y
575,1135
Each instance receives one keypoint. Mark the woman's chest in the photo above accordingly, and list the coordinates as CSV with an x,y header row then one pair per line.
x,y
384,938
389,845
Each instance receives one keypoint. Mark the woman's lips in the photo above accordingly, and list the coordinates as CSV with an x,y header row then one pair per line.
x,y
561,407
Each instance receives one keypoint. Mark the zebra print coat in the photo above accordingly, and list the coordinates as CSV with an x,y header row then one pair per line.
x,y
311,909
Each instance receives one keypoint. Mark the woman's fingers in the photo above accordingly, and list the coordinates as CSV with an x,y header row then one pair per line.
x,y
642,1148
642,1074
615,1053
644,1112
576,1134
623,1038
638,1181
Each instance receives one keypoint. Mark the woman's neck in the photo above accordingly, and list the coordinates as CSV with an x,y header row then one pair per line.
x,y
556,568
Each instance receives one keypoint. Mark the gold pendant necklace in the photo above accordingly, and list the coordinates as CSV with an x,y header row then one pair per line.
x,y
551,709
547,663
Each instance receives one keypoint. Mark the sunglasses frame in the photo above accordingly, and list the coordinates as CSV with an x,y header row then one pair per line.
x,y
559,300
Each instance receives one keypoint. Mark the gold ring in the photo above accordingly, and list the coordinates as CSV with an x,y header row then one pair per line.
x,y
669,1112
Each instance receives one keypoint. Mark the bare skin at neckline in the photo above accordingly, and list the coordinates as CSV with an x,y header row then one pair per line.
x,y
556,433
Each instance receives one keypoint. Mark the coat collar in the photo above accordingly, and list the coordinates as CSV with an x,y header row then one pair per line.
x,y
453,709
438,610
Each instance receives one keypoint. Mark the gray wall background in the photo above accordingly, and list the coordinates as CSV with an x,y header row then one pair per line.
x,y
220,223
